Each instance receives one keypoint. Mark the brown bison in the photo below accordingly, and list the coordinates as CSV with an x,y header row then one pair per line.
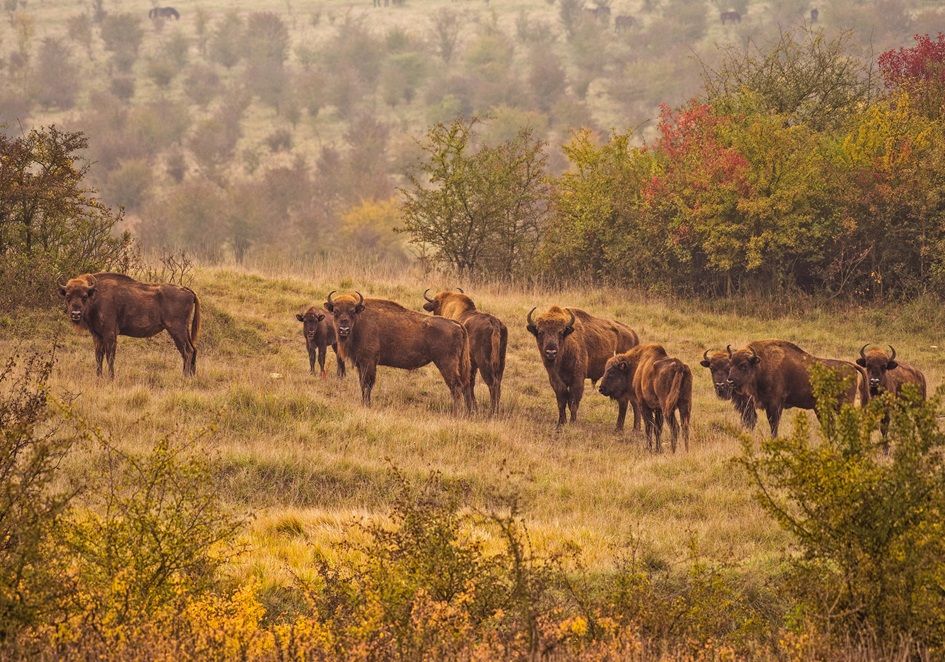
x,y
885,374
659,385
718,364
575,346
319,334
730,16
110,305
372,332
488,338
775,375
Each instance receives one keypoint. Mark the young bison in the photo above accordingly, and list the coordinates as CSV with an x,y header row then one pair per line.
x,y
319,334
109,305
887,375
575,346
488,338
658,384
718,364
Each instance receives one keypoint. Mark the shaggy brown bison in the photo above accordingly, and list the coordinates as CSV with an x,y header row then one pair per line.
x,y
885,374
575,346
372,332
718,364
488,338
164,12
110,305
775,375
319,334
658,384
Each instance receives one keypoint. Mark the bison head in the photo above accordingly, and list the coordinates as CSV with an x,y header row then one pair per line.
x,y
718,364
435,305
345,310
310,321
877,362
617,376
78,293
742,366
550,330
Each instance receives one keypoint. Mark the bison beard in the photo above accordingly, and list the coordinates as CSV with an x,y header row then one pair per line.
x,y
319,334
575,346
109,305
374,332
488,338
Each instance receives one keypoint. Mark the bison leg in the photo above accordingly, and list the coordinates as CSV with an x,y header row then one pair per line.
x,y
340,362
471,389
184,346
110,346
673,429
648,424
367,374
562,398
576,392
621,414
322,351
311,360
636,415
452,374
774,419
99,355
685,414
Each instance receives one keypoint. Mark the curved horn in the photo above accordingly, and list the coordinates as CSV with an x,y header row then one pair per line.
x,y
426,297
529,316
460,290
863,351
329,297
728,348
360,297
573,318
705,355
893,357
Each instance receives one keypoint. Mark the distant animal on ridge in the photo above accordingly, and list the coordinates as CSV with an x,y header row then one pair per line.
x,y
109,305
623,22
659,385
319,334
718,364
885,374
730,16
814,15
575,346
488,338
373,332
164,12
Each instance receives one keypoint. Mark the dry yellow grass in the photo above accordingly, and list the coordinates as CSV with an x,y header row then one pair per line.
x,y
304,457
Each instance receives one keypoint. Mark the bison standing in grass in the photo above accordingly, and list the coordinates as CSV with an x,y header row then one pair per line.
x,y
718,364
775,375
372,332
575,346
659,385
109,305
488,338
319,334
885,374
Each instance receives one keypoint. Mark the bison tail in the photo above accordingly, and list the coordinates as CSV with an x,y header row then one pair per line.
x,y
195,322
500,338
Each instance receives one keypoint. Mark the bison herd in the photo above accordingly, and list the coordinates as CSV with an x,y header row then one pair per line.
x,y
461,341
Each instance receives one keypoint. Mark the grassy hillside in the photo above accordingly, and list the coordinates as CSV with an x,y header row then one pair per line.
x,y
304,457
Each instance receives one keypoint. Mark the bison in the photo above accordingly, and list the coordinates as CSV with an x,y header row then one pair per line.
x,y
488,338
372,332
624,22
775,375
657,384
575,346
319,334
885,374
718,364
730,16
164,12
109,305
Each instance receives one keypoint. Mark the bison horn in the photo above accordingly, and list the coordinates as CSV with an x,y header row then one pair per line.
x,y
425,295
460,290
360,297
571,323
893,357
863,351
705,355
529,316
329,297
728,348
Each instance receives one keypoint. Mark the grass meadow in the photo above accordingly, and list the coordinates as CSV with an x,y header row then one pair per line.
x,y
302,458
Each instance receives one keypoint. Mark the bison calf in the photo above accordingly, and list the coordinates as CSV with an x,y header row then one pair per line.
x,y
718,364
575,346
659,385
372,332
319,334
885,374
488,338
109,305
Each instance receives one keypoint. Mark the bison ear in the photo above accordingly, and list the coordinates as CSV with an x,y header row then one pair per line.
x,y
624,366
861,362
892,365
62,290
91,291
329,306
532,329
755,359
704,363
359,308
568,330
319,316
300,317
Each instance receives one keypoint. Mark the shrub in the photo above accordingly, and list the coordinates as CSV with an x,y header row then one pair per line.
x,y
55,76
79,29
202,84
122,35
225,45
279,140
128,185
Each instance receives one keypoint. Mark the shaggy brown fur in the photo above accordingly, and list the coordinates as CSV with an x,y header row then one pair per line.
x,y
109,305
372,332
319,334
488,339
718,364
775,375
575,346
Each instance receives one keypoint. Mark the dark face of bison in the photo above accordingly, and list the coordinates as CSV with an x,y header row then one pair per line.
x,y
78,294
616,379
718,364
743,364
877,362
550,331
432,305
345,311
310,322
